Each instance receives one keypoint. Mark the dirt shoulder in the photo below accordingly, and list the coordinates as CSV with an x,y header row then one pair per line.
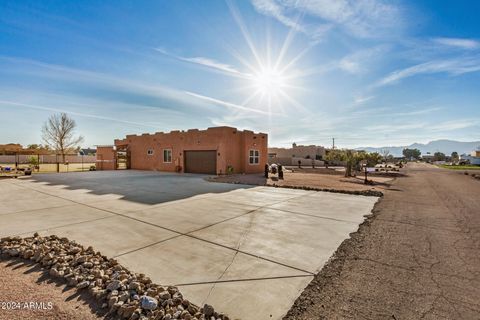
x,y
22,283
417,257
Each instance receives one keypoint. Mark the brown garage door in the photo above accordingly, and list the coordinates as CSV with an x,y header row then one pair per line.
x,y
201,161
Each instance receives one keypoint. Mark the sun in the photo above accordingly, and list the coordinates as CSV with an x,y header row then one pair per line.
x,y
268,81
271,76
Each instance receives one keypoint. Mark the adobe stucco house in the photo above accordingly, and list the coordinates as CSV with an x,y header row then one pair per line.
x,y
291,156
217,150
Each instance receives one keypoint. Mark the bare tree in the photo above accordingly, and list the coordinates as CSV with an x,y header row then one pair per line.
x,y
58,133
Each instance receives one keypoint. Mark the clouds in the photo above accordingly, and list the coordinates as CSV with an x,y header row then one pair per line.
x,y
84,82
451,56
455,66
72,86
358,18
467,44
352,68
74,113
226,104
276,10
360,60
457,124
205,62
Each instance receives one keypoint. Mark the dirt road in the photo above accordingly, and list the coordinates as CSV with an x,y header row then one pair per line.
x,y
418,257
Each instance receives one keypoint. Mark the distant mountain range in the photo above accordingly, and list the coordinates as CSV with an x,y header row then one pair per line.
x,y
445,146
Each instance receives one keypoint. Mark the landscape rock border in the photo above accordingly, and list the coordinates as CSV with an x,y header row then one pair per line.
x,y
368,193
127,295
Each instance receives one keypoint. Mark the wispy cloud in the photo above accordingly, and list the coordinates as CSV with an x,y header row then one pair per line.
x,y
417,112
106,86
276,10
452,66
363,99
205,62
225,103
390,128
461,43
360,18
428,128
80,114
360,60
455,125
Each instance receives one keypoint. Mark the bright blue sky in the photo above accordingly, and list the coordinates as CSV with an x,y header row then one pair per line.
x,y
365,72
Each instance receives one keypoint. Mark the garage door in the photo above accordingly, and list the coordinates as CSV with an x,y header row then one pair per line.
x,y
201,161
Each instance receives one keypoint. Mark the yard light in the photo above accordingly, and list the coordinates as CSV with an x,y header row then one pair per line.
x,y
82,154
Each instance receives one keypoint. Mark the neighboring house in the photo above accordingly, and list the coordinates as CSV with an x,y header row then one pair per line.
x,y
428,157
472,158
291,156
217,150
476,153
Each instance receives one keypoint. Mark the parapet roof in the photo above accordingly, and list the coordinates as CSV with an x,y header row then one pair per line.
x,y
191,130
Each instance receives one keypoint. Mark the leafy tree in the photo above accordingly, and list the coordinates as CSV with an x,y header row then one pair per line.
x,y
411,153
58,133
373,158
33,161
34,146
439,156
455,156
352,159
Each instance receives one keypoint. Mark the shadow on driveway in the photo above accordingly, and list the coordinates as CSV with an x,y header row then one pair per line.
x,y
148,187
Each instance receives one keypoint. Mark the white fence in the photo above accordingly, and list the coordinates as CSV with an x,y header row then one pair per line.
x,y
46,159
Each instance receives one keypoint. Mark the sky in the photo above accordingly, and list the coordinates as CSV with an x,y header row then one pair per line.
x,y
365,72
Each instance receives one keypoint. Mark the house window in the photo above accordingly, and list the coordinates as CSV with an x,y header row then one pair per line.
x,y
167,155
150,152
254,157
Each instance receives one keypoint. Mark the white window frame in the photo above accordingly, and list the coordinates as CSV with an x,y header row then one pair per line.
x,y
168,151
253,155
150,152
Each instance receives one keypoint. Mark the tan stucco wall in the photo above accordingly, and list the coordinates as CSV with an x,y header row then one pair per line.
x,y
106,159
475,153
232,147
298,151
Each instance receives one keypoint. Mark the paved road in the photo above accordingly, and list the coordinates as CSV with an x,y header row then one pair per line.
x,y
417,258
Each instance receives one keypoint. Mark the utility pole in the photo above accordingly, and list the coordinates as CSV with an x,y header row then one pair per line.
x,y
333,144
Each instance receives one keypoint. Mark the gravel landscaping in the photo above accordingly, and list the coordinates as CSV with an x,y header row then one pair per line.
x,y
121,293
327,182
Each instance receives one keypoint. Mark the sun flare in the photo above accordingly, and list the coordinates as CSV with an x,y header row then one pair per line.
x,y
271,78
268,81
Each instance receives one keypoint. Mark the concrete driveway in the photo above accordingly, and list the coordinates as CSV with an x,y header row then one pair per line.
x,y
249,251
147,187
